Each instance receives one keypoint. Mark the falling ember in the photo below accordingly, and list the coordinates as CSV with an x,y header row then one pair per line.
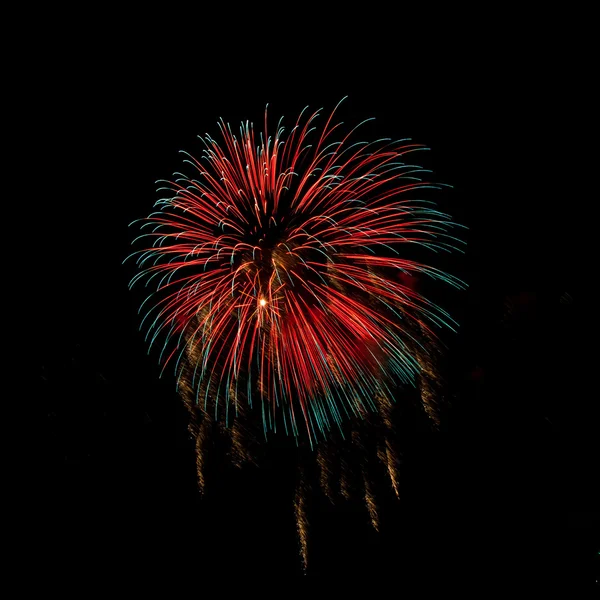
x,y
284,298
300,511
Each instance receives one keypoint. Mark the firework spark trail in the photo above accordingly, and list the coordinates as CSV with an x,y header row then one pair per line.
x,y
279,295
369,498
326,471
301,514
386,450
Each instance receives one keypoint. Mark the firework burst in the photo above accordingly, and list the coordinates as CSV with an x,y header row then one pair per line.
x,y
279,272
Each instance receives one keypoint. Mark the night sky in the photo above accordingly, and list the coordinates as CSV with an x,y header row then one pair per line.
x,y
504,491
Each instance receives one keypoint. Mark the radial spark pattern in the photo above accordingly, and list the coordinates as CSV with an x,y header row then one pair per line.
x,y
280,273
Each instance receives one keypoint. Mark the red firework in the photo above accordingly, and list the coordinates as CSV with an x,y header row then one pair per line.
x,y
280,274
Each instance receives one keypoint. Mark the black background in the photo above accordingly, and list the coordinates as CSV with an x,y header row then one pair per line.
x,y
504,492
